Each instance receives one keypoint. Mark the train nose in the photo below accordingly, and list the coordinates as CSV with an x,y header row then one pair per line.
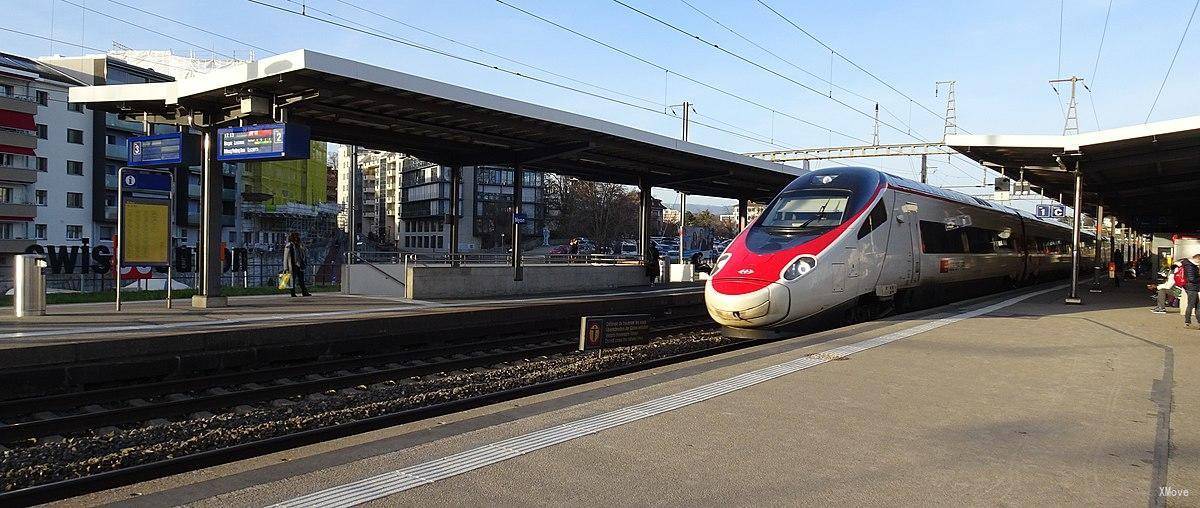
x,y
746,303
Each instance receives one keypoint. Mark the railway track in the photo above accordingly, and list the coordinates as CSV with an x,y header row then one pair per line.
x,y
176,399
78,412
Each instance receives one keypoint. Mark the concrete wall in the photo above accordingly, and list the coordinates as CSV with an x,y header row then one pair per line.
x,y
424,282
363,279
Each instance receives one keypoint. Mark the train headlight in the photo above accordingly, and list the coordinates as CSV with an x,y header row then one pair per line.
x,y
800,267
721,260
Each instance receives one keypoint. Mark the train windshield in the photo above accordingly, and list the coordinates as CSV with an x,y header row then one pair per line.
x,y
806,209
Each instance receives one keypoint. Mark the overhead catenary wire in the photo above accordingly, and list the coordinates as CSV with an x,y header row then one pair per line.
x,y
673,72
833,51
151,30
740,57
363,29
193,27
756,64
74,44
1182,37
792,63
496,55
1096,65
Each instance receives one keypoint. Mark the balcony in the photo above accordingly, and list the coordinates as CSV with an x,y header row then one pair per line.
x,y
193,218
110,181
21,139
111,121
193,190
18,104
116,152
15,245
17,174
110,213
18,210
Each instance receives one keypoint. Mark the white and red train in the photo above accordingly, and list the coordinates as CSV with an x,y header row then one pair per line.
x,y
858,241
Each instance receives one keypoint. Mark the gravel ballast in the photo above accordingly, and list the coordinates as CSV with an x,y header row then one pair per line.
x,y
54,459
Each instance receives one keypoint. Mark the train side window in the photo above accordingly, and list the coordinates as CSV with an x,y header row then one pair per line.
x,y
936,239
979,240
877,218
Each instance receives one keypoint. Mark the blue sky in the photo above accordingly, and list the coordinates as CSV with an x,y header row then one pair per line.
x,y
1001,53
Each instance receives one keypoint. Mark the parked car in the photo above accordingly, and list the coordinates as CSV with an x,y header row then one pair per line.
x,y
627,249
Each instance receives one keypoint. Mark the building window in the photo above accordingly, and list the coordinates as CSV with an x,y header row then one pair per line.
x,y
110,139
74,200
39,231
12,160
43,97
74,168
43,165
75,106
74,232
6,89
41,131
110,169
7,194
75,136
40,197
7,231
106,232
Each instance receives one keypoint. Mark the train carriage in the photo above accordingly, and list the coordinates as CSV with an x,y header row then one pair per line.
x,y
860,241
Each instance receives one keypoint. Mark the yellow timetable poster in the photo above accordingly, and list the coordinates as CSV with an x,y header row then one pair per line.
x,y
147,229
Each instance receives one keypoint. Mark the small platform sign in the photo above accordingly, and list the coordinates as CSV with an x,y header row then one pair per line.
x,y
520,218
1051,211
280,141
146,180
163,150
598,332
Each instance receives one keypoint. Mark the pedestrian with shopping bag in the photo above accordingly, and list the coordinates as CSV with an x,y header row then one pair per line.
x,y
295,259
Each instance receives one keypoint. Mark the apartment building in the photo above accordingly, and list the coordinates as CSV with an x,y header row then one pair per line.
x,y
110,133
45,159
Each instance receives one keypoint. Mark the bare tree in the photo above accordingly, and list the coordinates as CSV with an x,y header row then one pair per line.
x,y
603,212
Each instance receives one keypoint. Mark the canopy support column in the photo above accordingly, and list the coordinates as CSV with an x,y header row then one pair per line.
x,y
743,213
644,197
455,215
1076,225
1097,261
210,225
682,223
518,186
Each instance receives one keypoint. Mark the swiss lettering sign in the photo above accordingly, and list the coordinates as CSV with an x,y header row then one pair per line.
x,y
597,332
263,142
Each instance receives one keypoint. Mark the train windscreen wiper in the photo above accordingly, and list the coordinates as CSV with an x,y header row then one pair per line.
x,y
820,215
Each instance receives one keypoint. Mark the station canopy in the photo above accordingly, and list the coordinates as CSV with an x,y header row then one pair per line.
x,y
1146,175
353,103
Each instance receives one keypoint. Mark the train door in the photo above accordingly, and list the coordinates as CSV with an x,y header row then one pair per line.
x,y
913,224
904,244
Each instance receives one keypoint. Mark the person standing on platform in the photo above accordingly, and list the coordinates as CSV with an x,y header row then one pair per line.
x,y
652,269
1118,260
295,258
1191,275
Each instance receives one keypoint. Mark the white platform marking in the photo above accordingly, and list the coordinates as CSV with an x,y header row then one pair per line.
x,y
393,482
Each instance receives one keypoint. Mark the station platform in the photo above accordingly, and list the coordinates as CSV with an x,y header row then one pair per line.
x,y
85,344
1015,399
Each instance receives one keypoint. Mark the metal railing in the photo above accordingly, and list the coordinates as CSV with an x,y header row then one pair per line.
x,y
488,258
259,274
